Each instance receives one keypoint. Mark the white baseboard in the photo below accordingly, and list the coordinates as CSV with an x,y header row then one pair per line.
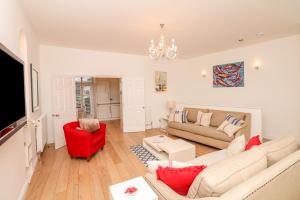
x,y
27,181
23,191
110,119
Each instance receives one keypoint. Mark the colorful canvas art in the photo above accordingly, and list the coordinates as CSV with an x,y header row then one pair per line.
x,y
228,75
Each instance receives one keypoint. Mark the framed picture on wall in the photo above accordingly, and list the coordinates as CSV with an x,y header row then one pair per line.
x,y
160,81
228,75
34,89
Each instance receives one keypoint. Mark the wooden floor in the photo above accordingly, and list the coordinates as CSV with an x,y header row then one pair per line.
x,y
57,176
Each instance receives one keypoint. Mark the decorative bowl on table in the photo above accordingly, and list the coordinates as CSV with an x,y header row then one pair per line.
x,y
131,191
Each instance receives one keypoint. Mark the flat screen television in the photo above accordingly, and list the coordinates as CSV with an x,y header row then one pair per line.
x,y
12,90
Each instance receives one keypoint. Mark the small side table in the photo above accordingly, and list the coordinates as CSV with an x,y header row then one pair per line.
x,y
144,191
163,123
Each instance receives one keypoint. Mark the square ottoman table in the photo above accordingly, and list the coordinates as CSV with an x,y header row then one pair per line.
x,y
144,191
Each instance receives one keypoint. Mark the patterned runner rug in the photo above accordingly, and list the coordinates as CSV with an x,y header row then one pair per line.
x,y
143,154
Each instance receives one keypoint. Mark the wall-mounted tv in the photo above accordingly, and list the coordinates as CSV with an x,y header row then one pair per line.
x,y
12,94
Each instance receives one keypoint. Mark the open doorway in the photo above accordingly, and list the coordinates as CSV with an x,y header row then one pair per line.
x,y
98,98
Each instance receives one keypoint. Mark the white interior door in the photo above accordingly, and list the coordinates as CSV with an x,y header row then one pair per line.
x,y
103,100
133,104
115,91
64,106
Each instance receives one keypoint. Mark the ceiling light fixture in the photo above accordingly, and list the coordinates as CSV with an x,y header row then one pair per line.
x,y
162,50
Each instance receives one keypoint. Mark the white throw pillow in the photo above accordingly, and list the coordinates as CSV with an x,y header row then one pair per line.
x,y
231,129
90,125
178,116
203,119
199,116
231,125
222,126
236,146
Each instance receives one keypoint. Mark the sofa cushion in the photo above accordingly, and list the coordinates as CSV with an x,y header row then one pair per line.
x,y
193,112
219,116
203,119
279,148
178,116
209,158
226,174
186,175
229,128
236,146
211,132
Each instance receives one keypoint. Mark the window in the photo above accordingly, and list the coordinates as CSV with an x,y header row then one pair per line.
x,y
84,86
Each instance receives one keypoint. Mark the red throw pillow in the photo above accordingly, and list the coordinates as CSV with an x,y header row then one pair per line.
x,y
254,141
179,179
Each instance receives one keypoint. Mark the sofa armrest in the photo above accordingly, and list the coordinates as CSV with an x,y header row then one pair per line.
x,y
161,189
239,133
165,193
243,131
210,158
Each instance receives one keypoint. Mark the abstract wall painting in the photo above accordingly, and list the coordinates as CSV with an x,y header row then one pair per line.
x,y
228,75
161,81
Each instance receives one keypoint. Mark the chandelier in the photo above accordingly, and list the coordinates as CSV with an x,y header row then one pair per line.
x,y
162,50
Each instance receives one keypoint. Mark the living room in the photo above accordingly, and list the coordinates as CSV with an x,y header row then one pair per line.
x,y
61,40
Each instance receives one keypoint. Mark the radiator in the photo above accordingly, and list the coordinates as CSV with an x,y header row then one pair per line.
x,y
41,133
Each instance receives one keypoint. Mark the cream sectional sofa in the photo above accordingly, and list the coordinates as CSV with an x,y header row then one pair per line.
x,y
270,171
209,135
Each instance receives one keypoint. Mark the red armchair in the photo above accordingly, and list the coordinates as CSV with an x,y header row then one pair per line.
x,y
81,143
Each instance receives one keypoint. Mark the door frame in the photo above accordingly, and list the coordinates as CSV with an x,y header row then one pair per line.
x,y
108,76
120,77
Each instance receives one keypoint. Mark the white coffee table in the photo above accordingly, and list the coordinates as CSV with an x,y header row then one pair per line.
x,y
144,191
166,148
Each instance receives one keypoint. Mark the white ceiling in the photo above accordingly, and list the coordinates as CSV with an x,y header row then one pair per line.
x,y
199,26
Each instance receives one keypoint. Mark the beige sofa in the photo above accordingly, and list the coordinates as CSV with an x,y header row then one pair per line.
x,y
268,172
209,135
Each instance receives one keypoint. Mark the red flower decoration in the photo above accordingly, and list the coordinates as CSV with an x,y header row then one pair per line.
x,y
130,190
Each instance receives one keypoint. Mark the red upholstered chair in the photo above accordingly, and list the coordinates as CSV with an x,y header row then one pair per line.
x,y
82,143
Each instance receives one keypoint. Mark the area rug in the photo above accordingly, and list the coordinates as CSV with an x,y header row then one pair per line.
x,y
143,154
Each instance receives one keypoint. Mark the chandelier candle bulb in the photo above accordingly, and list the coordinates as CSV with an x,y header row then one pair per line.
x,y
162,50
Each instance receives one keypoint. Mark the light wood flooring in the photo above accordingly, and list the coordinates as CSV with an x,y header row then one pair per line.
x,y
57,176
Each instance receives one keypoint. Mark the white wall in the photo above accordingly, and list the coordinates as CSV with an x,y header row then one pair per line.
x,y
12,156
67,61
275,87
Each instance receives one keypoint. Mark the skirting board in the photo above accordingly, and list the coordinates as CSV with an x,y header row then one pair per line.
x,y
27,181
